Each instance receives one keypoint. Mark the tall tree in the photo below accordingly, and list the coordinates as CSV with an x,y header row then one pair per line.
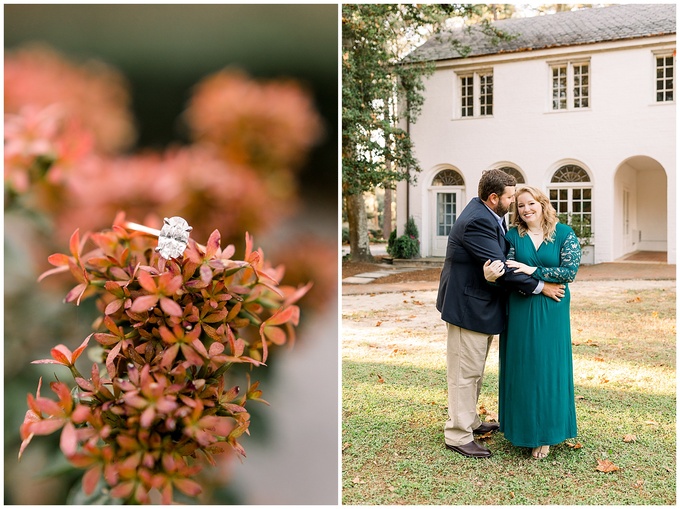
x,y
375,150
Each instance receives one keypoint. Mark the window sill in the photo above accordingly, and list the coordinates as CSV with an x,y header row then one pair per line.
x,y
480,117
570,110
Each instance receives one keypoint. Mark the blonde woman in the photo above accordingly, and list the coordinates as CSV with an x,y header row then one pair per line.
x,y
536,389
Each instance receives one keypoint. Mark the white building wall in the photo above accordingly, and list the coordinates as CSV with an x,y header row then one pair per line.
x,y
623,121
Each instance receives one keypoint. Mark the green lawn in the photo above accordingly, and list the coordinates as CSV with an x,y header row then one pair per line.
x,y
394,407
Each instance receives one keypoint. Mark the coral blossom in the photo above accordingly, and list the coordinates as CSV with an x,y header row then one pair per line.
x,y
92,92
270,125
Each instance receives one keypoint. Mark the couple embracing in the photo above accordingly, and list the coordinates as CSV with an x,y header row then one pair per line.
x,y
513,283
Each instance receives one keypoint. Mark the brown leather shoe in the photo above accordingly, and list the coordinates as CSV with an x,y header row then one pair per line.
x,y
486,427
473,450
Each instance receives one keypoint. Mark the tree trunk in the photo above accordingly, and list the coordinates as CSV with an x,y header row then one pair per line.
x,y
387,214
359,247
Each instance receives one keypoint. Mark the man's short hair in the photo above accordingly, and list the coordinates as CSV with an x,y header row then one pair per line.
x,y
494,182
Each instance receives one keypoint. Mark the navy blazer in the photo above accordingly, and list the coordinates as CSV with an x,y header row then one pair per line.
x,y
465,298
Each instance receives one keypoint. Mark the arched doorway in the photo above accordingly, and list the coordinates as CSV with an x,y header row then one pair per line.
x,y
447,195
640,207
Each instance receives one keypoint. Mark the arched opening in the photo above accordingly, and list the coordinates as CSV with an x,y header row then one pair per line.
x,y
640,210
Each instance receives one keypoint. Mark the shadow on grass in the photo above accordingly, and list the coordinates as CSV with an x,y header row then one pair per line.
x,y
393,446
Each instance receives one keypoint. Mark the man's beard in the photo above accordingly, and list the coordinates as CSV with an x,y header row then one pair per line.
x,y
501,210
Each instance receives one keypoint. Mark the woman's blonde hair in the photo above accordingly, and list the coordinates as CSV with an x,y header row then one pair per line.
x,y
549,219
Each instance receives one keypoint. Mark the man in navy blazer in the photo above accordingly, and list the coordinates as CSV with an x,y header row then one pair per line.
x,y
475,310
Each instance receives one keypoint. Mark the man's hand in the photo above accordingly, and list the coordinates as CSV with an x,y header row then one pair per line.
x,y
493,270
553,290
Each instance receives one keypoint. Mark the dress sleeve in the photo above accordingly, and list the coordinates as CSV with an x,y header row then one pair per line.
x,y
570,258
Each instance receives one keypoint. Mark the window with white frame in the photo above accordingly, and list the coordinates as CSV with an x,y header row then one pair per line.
x,y
570,82
665,71
448,204
571,194
476,94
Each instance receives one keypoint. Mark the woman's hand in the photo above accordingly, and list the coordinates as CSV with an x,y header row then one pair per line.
x,y
521,267
493,270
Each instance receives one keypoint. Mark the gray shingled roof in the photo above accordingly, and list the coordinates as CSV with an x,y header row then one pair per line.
x,y
587,26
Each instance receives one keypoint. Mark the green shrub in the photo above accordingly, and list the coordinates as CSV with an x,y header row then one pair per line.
x,y
345,235
406,247
411,229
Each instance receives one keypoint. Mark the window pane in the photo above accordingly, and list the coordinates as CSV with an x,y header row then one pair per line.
x,y
448,178
446,212
664,78
485,94
466,96
580,86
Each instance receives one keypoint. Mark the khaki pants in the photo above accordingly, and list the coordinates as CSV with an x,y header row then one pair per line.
x,y
466,353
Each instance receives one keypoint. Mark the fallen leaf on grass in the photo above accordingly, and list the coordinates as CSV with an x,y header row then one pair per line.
x,y
356,480
655,314
652,423
598,359
512,494
485,436
577,445
636,299
668,469
578,397
372,295
381,380
629,438
391,488
606,466
346,446
378,323
639,483
417,303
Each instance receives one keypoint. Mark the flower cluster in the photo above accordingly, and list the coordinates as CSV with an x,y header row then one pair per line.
x,y
159,401
268,125
91,93
180,180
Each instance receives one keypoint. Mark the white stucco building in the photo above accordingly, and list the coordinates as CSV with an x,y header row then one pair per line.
x,y
580,104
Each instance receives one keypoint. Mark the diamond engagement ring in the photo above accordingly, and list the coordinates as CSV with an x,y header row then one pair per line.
x,y
172,238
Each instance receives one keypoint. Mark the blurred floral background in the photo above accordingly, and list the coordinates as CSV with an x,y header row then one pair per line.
x,y
225,115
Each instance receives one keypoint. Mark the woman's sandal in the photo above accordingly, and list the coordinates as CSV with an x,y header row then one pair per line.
x,y
538,453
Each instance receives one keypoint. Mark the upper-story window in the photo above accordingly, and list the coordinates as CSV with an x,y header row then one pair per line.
x,y
665,66
570,83
476,94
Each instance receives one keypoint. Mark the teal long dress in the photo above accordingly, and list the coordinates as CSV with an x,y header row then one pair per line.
x,y
536,389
